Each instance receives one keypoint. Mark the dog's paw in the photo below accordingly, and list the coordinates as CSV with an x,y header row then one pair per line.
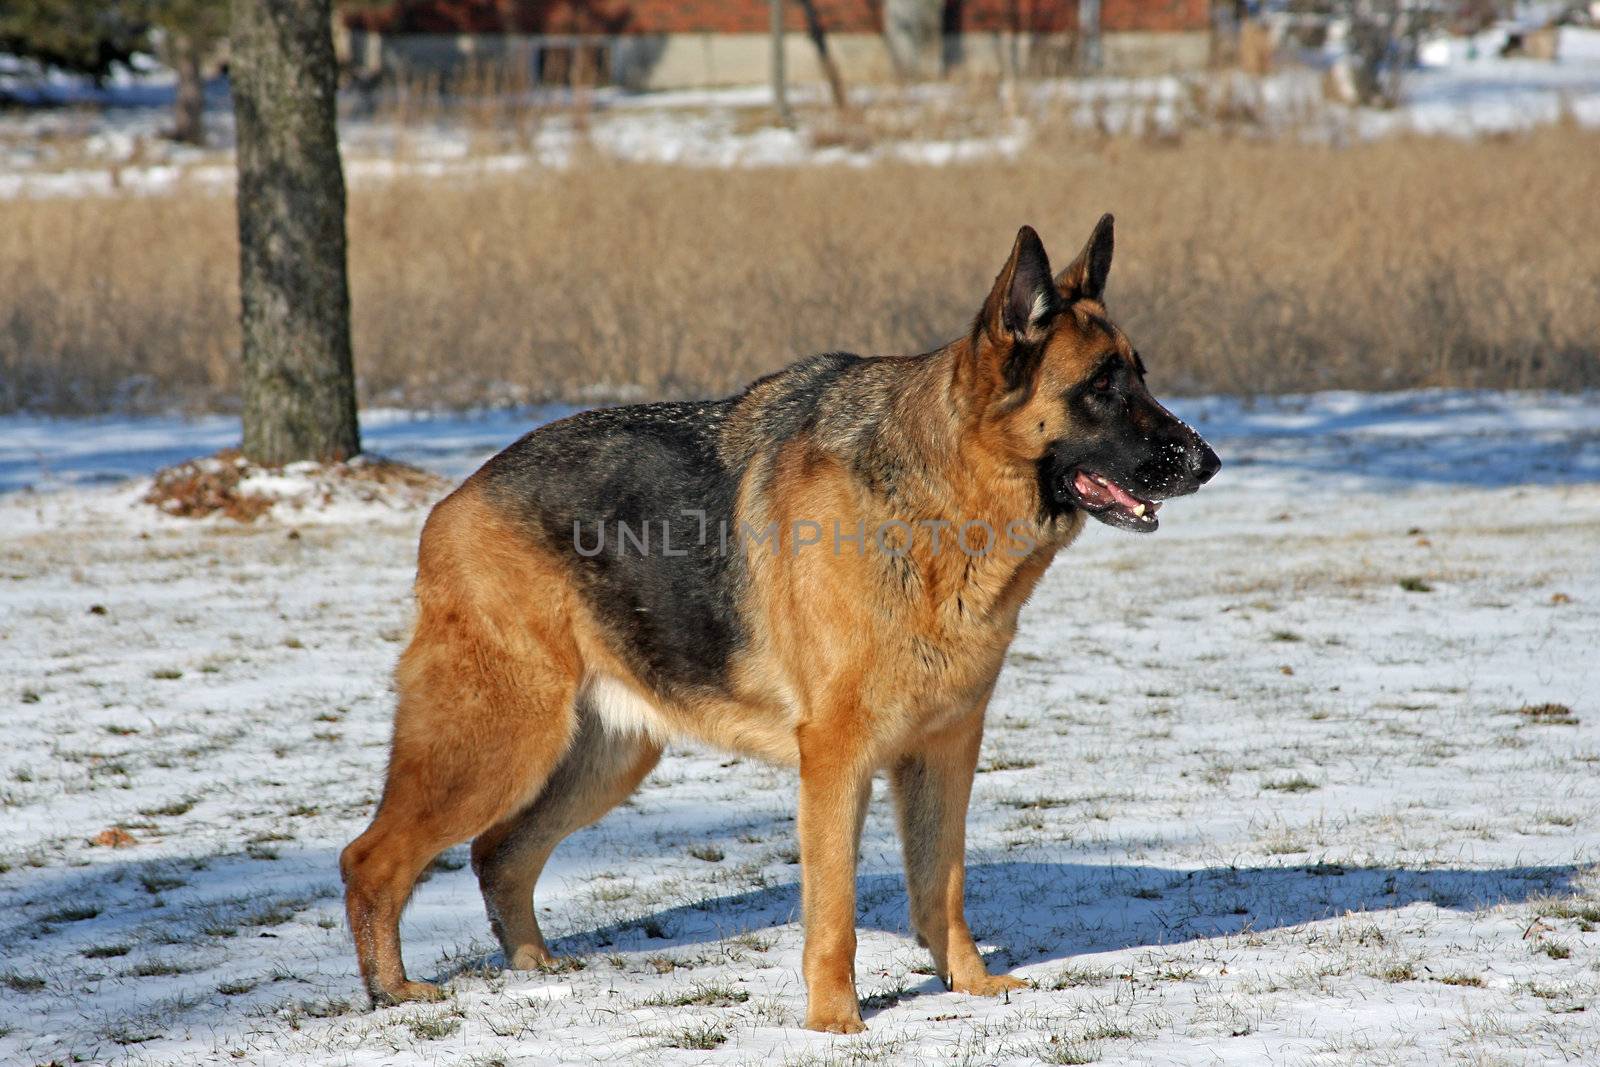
x,y
406,992
988,985
529,958
840,1024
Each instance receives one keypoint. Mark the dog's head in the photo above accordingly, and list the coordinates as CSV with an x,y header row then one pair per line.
x,y
1058,385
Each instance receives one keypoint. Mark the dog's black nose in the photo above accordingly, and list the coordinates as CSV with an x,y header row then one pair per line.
x,y
1206,464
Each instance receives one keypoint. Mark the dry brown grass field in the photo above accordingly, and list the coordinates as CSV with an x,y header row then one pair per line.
x,y
1242,266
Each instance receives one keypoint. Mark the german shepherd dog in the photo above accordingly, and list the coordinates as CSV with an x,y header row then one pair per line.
x,y
823,571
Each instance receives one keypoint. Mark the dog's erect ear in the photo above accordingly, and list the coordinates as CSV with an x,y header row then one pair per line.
x,y
1085,277
1023,299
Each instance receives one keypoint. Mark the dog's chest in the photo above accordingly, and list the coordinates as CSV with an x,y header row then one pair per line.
x,y
925,680
943,661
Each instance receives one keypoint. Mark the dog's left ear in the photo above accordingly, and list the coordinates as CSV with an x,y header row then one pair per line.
x,y
1023,299
1085,277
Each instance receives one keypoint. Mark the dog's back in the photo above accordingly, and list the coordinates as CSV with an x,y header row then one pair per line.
x,y
642,503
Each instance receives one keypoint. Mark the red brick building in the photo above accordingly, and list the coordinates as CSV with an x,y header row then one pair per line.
x,y
670,43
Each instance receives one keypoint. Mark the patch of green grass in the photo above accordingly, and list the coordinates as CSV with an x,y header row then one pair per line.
x,y
156,882
1415,585
105,952
752,940
1108,1032
118,730
1283,844
1286,636
325,1009
1470,980
236,988
1039,803
1297,783
1068,1051
272,913
709,853
609,892
697,1038
562,965
156,968
1077,977
1586,912
171,808
1009,763
1543,992
132,1032
885,998
1398,972
21,983
705,995
72,913
1555,950
1548,714
166,674
432,1027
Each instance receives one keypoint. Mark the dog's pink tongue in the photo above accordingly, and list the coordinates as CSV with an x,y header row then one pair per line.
x,y
1090,489
1121,495
1103,491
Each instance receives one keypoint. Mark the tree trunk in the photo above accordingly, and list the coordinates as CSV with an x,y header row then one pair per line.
x,y
1089,57
189,107
830,69
913,35
780,82
299,387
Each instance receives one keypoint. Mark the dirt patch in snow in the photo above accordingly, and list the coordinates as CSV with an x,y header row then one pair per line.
x,y
234,487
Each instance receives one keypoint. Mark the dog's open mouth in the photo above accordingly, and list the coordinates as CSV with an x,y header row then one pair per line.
x,y
1111,503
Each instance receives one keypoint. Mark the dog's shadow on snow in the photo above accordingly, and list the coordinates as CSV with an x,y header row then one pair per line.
x,y
1027,913
1034,913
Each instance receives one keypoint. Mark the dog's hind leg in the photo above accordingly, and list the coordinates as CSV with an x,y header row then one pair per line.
x,y
467,752
487,688
601,769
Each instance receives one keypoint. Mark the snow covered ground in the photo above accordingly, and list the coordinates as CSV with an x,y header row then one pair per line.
x,y
1310,776
119,150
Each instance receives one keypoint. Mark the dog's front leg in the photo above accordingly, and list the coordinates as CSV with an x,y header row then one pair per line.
x,y
932,785
834,786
